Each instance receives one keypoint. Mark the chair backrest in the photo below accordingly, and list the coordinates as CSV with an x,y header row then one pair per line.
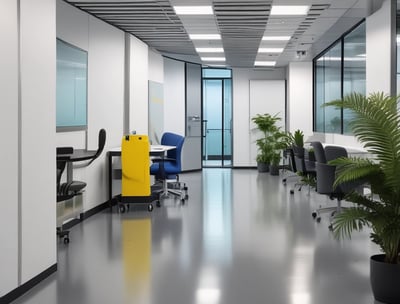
x,y
319,152
299,159
172,139
326,172
333,152
101,144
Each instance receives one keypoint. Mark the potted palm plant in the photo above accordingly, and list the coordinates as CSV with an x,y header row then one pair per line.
x,y
266,124
278,141
376,124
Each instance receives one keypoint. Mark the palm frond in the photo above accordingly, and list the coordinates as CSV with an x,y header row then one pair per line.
x,y
377,126
349,220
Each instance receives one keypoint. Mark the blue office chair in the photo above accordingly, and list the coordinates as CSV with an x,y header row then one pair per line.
x,y
166,169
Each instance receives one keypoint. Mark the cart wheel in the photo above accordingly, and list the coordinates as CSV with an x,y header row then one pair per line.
x,y
122,209
66,240
158,204
150,207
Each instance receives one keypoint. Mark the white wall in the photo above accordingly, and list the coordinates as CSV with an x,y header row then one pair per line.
x,y
38,208
9,138
241,110
174,96
156,67
27,121
106,60
378,39
300,97
139,87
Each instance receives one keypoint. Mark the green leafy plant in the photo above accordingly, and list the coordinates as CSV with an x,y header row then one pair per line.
x,y
278,141
376,124
266,123
298,138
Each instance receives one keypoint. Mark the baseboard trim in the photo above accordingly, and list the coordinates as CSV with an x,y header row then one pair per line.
x,y
244,167
19,291
94,210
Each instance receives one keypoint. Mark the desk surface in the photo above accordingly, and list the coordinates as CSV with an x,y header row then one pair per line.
x,y
153,149
77,155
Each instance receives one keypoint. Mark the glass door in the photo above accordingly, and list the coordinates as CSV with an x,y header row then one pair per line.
x,y
217,122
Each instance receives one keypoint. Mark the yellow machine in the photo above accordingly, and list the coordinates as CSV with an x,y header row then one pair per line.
x,y
135,163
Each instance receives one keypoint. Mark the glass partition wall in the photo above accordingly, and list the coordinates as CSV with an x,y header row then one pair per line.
x,y
338,71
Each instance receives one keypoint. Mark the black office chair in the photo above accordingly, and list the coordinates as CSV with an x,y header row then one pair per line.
x,y
74,187
67,190
304,167
326,179
167,169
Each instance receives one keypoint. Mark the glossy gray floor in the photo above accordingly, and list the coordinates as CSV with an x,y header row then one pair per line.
x,y
240,239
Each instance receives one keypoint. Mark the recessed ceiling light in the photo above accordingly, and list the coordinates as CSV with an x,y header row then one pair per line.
x,y
194,10
264,63
288,10
209,50
270,50
205,36
276,38
213,58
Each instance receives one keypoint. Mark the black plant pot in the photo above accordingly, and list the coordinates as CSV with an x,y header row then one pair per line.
x,y
385,280
274,170
262,167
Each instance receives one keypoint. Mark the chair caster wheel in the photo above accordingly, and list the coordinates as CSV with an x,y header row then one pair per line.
x,y
122,208
291,191
66,240
330,227
150,208
314,214
186,196
183,201
318,219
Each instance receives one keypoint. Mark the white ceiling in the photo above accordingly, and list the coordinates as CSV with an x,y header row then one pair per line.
x,y
241,24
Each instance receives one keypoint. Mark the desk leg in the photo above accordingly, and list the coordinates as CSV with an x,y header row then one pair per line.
x,y
69,172
109,178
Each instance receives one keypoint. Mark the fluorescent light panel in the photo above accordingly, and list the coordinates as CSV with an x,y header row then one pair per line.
x,y
213,58
265,63
209,50
270,50
193,10
276,38
205,36
289,10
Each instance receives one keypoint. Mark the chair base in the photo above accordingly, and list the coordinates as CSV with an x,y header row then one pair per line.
x,y
174,188
316,214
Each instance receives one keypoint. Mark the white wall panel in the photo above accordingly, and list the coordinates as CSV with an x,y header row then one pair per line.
x,y
266,96
241,111
378,39
300,97
105,102
72,25
156,67
38,180
174,96
139,87
9,139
